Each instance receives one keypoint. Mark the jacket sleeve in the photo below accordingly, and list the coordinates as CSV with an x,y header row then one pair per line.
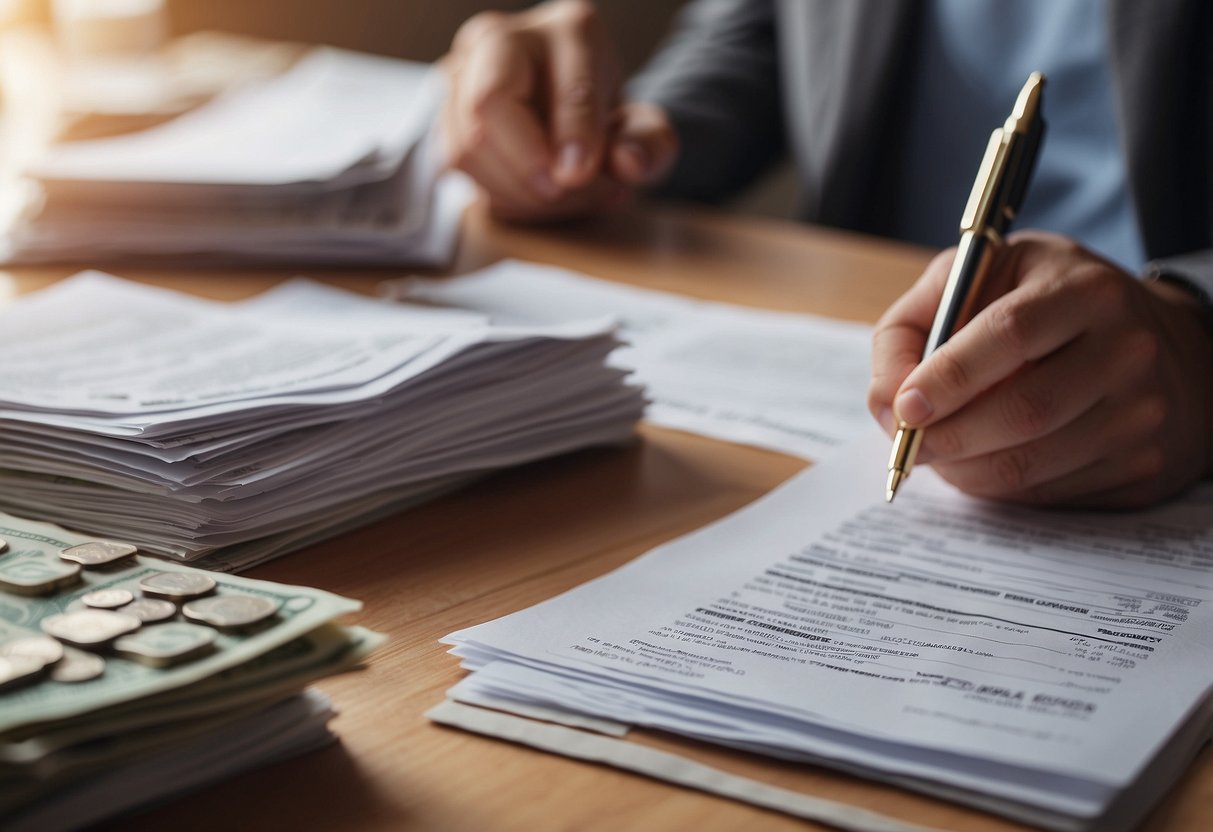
x,y
1193,270
718,78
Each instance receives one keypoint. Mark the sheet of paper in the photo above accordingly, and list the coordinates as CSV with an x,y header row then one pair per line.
x,y
792,383
985,647
330,112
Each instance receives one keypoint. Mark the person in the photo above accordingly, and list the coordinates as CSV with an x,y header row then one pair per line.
x,y
1077,383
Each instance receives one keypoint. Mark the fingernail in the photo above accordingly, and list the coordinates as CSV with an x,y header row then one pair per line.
x,y
542,184
913,407
572,159
886,420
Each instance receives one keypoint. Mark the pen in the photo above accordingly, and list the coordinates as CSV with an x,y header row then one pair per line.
x,y
1002,181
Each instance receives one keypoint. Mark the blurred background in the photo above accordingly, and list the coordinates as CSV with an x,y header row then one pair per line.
x,y
418,30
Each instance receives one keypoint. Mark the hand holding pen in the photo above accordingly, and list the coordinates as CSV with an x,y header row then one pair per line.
x,y
1068,381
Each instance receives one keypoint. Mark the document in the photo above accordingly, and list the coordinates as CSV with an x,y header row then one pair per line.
x,y
189,426
1051,666
791,383
331,161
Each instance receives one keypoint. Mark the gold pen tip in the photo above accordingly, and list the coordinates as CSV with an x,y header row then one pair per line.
x,y
896,478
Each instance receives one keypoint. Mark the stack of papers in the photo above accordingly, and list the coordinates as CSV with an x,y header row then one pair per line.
x,y
188,426
1056,668
791,383
125,680
330,162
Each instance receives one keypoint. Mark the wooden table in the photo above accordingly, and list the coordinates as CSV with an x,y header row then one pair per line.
x,y
524,535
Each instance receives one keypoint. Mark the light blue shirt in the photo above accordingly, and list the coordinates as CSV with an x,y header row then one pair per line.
x,y
973,57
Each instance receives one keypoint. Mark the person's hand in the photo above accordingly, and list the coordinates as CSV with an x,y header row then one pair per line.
x,y
1077,385
533,115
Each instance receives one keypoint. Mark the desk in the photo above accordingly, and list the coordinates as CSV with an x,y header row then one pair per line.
x,y
524,535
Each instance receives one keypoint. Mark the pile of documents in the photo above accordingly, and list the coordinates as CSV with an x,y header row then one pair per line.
x,y
1055,668
125,680
330,162
787,382
188,426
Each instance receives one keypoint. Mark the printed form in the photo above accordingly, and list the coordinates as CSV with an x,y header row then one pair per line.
x,y
1041,659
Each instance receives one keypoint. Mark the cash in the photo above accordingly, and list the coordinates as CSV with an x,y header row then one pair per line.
x,y
110,698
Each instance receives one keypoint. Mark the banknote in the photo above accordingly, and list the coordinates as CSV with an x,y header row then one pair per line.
x,y
32,561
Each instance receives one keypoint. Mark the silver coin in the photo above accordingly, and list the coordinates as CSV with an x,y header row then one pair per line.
x,y
90,628
231,611
43,648
108,599
150,610
77,666
163,645
98,552
177,585
18,670
37,576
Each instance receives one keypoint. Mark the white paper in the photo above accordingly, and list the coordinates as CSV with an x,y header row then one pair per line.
x,y
333,110
791,383
665,766
187,426
1041,659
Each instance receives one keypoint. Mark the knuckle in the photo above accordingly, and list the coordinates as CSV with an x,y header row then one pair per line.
x,y
479,26
945,442
1104,292
1152,414
1010,324
1144,348
579,15
952,372
1011,468
1028,411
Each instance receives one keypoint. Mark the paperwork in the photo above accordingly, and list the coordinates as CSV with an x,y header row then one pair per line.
x,y
188,426
1051,667
330,161
791,383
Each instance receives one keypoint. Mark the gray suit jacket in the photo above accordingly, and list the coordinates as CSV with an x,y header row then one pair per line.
x,y
747,81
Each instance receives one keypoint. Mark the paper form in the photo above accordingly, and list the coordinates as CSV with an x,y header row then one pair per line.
x,y
792,383
1037,657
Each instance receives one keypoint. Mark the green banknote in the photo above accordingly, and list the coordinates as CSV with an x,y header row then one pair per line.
x,y
32,559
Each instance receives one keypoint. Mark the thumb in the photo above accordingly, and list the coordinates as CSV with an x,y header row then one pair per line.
x,y
644,146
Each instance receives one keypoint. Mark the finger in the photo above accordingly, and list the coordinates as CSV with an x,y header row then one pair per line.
x,y
494,107
1039,400
1067,464
582,88
899,337
644,145
1130,479
1033,320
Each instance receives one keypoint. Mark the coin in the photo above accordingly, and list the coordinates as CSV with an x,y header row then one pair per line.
x,y
162,645
177,585
44,649
37,576
108,599
3,544
17,670
90,628
77,666
98,552
231,611
150,610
